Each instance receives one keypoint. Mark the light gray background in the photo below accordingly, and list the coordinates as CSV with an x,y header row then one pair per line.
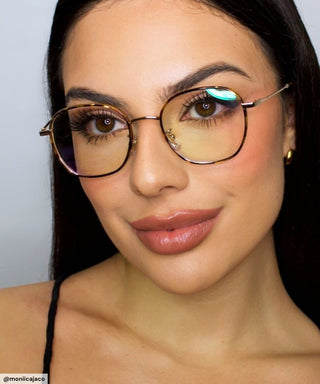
x,y
25,201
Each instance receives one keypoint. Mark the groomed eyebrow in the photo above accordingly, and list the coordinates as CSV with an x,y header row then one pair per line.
x,y
82,93
199,75
191,80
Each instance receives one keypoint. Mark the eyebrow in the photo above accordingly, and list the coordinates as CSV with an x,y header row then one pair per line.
x,y
199,75
80,93
186,83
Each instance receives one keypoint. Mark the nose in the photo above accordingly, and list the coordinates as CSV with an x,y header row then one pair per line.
x,y
155,168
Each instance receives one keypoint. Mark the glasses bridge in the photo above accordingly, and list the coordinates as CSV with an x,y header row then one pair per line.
x,y
145,118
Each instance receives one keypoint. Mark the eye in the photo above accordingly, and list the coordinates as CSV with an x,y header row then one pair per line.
x,y
96,121
211,104
103,124
203,108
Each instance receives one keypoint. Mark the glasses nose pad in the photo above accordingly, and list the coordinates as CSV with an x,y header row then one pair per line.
x,y
134,137
172,140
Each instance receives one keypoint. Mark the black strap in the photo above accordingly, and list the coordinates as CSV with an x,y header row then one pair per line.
x,y
50,326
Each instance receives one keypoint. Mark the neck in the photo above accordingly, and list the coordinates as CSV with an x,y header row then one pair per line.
x,y
245,302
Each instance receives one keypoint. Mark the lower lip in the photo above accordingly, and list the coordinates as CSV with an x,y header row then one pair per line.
x,y
176,241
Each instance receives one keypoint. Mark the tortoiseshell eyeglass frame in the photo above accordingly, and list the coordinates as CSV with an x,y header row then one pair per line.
x,y
47,130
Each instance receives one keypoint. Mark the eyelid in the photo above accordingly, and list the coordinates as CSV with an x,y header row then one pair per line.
x,y
203,94
192,100
121,112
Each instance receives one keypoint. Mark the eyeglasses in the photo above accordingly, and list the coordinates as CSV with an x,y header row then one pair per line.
x,y
204,125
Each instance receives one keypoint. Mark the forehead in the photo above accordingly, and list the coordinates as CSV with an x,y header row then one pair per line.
x,y
155,41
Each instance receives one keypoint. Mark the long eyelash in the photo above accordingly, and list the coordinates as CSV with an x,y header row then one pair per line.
x,y
207,123
82,117
203,97
189,103
92,138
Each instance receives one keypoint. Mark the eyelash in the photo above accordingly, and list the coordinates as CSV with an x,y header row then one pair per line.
x,y
83,117
188,104
195,99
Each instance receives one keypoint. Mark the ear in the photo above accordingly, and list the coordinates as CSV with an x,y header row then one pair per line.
x,y
289,133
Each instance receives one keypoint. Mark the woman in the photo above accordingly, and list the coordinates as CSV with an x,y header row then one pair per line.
x,y
192,130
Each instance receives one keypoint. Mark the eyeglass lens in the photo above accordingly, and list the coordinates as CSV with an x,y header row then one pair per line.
x,y
201,126
92,140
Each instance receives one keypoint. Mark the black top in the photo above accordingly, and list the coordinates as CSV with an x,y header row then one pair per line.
x,y
50,326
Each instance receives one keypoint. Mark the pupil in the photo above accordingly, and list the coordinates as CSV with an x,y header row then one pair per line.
x,y
105,125
205,109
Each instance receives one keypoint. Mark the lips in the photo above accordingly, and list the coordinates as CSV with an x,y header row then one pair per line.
x,y
177,233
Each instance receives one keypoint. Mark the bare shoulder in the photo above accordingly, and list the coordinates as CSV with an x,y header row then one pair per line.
x,y
304,368
302,363
311,366
23,320
299,364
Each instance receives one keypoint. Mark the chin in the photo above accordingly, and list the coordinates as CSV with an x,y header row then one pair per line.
x,y
185,274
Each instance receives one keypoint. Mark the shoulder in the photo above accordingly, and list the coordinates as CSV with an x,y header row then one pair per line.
x,y
296,369
310,366
23,321
301,363
297,363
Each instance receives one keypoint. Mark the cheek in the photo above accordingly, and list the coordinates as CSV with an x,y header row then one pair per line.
x,y
106,194
261,154
256,174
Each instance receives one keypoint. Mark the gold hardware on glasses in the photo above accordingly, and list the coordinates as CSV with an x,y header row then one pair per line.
x,y
203,125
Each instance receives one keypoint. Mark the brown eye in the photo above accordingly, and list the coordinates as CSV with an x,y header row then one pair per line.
x,y
105,124
205,108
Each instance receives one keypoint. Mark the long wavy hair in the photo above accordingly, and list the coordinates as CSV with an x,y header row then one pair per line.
x,y
79,240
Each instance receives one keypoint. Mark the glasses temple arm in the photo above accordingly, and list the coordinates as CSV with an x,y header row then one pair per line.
x,y
263,99
45,131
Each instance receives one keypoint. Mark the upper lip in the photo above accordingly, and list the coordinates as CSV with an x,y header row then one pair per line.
x,y
179,219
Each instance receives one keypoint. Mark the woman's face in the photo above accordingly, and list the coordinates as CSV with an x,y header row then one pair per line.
x,y
184,226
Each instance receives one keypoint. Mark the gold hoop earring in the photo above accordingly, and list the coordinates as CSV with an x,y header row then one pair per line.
x,y
289,157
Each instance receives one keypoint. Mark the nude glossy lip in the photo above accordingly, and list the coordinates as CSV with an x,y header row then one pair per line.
x,y
177,233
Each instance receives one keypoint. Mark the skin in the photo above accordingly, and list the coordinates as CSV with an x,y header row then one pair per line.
x,y
133,318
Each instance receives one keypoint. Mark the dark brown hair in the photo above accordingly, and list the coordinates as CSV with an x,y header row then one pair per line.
x,y
80,241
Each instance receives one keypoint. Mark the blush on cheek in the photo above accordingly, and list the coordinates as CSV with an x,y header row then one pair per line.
x,y
259,167
104,193
262,149
263,172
